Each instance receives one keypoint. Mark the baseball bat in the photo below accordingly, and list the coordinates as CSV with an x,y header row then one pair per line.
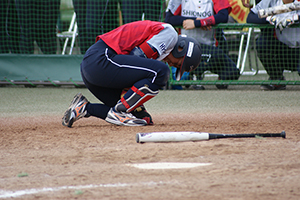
x,y
195,136
263,13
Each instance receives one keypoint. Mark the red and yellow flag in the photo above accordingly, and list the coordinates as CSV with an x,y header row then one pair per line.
x,y
238,12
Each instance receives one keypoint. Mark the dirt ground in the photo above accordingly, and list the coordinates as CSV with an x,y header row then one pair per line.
x,y
41,159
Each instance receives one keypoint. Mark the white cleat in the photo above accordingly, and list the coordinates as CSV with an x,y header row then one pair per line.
x,y
124,119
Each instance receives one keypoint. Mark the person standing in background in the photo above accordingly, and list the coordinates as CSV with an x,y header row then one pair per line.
x,y
9,27
95,17
38,20
278,49
134,10
197,19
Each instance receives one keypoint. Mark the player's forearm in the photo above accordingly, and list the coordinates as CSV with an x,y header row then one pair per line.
x,y
253,18
220,17
175,20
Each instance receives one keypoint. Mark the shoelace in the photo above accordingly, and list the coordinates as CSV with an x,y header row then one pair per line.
x,y
128,115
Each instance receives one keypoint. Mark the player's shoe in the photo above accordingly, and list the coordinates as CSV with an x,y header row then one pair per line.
x,y
141,113
273,87
123,119
197,87
76,110
222,87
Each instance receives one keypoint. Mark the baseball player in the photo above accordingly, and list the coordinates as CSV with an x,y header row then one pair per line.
x,y
277,49
196,18
128,60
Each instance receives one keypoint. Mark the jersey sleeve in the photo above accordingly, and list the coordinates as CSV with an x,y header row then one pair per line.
x,y
164,41
174,6
262,5
221,4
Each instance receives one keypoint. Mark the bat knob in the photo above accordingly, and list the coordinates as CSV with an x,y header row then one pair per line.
x,y
283,134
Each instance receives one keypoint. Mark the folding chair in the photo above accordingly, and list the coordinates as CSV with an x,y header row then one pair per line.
x,y
240,63
71,33
242,58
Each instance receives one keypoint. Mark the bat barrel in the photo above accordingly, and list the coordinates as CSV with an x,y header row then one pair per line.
x,y
263,13
171,136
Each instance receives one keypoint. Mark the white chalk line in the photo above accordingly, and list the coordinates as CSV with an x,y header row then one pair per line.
x,y
167,165
8,194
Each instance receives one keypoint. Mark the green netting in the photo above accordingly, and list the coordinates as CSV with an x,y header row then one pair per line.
x,y
42,26
260,58
63,27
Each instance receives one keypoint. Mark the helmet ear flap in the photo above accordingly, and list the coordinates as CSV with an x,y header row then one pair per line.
x,y
181,44
180,48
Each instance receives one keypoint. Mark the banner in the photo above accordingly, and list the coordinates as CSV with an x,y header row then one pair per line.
x,y
238,12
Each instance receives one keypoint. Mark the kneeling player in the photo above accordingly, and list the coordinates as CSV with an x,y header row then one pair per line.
x,y
130,57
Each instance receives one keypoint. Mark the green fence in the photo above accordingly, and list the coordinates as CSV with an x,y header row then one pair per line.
x,y
241,47
42,42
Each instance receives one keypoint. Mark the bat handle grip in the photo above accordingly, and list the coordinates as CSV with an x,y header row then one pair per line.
x,y
215,136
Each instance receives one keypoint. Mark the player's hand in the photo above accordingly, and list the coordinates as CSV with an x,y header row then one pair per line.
x,y
188,24
283,21
246,3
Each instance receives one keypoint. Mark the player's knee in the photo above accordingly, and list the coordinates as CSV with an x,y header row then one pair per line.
x,y
230,74
236,74
162,75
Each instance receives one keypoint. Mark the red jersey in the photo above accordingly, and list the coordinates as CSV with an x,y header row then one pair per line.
x,y
124,38
160,35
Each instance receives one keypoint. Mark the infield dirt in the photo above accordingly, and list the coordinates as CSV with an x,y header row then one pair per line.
x,y
41,159
95,153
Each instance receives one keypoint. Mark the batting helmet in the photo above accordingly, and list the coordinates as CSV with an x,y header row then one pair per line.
x,y
190,49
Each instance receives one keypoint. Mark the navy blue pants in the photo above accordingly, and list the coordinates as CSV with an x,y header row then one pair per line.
x,y
216,61
106,74
276,56
132,10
